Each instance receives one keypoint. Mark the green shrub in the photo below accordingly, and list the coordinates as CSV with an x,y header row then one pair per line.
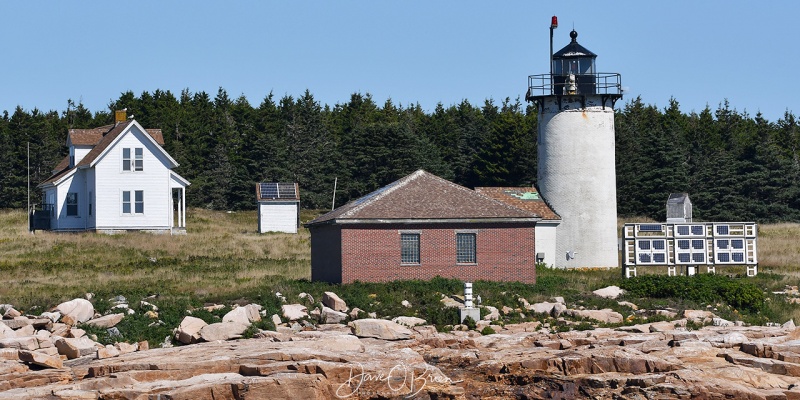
x,y
584,326
703,288
438,315
563,328
691,325
469,322
487,330
263,325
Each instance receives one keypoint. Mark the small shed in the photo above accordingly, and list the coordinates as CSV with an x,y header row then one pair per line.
x,y
679,208
278,207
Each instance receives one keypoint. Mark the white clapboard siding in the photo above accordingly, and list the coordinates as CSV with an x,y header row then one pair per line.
x,y
75,184
154,180
80,152
277,216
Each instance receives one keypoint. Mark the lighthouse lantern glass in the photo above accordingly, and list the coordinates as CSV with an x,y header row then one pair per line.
x,y
577,66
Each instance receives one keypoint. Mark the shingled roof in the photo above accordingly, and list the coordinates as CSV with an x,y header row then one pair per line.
x,y
100,138
424,196
91,137
526,198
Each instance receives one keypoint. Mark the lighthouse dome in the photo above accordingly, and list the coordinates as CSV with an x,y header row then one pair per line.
x,y
573,49
573,68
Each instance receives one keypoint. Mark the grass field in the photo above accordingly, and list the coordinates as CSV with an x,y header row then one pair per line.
x,y
222,255
223,259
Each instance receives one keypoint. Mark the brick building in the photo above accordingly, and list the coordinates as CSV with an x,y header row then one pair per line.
x,y
420,227
528,198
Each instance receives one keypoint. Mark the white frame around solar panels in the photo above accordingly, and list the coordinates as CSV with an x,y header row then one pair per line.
x,y
690,244
277,190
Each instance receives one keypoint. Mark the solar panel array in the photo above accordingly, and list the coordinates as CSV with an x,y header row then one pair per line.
x,y
278,190
732,243
650,227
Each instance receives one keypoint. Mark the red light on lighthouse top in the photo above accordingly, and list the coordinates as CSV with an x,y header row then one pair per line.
x,y
554,22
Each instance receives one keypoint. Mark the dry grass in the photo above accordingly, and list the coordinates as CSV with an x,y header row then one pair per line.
x,y
221,255
210,234
779,248
224,257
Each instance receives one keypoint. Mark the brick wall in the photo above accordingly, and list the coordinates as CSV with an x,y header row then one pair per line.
x,y
504,252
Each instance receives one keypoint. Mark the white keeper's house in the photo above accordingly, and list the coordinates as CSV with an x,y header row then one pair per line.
x,y
116,178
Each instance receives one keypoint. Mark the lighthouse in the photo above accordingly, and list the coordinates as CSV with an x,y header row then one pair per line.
x,y
576,170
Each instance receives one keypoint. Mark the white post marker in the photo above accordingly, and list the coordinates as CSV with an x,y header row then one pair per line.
x,y
469,309
468,294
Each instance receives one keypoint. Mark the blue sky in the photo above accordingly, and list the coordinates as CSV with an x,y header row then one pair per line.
x,y
426,52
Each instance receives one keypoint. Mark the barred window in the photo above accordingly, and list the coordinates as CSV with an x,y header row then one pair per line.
x,y
465,248
409,248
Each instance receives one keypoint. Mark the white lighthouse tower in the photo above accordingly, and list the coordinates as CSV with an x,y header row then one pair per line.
x,y
576,172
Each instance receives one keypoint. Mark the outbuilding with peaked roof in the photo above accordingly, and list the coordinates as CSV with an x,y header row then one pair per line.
x,y
422,226
278,207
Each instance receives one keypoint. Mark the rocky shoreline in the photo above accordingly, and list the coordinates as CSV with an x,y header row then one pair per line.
x,y
370,358
333,362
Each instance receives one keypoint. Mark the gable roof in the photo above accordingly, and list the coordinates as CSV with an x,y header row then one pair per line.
x,y
103,144
526,198
62,165
62,171
110,137
101,138
424,196
678,198
91,137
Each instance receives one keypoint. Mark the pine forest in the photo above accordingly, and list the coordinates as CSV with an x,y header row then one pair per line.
x,y
735,167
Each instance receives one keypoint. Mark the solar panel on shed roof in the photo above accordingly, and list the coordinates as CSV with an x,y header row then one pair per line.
x,y
286,191
269,190
278,190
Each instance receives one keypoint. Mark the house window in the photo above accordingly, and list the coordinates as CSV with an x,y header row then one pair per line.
x,y
126,160
409,248
465,248
138,202
72,204
138,205
136,163
126,202
90,204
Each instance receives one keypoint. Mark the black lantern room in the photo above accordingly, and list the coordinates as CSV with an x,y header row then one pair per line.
x,y
574,69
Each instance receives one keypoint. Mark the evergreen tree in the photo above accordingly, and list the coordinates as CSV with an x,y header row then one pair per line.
x,y
269,150
734,166
310,150
507,155
8,162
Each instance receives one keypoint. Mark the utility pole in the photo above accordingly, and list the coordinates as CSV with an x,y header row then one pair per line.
x,y
333,202
29,189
